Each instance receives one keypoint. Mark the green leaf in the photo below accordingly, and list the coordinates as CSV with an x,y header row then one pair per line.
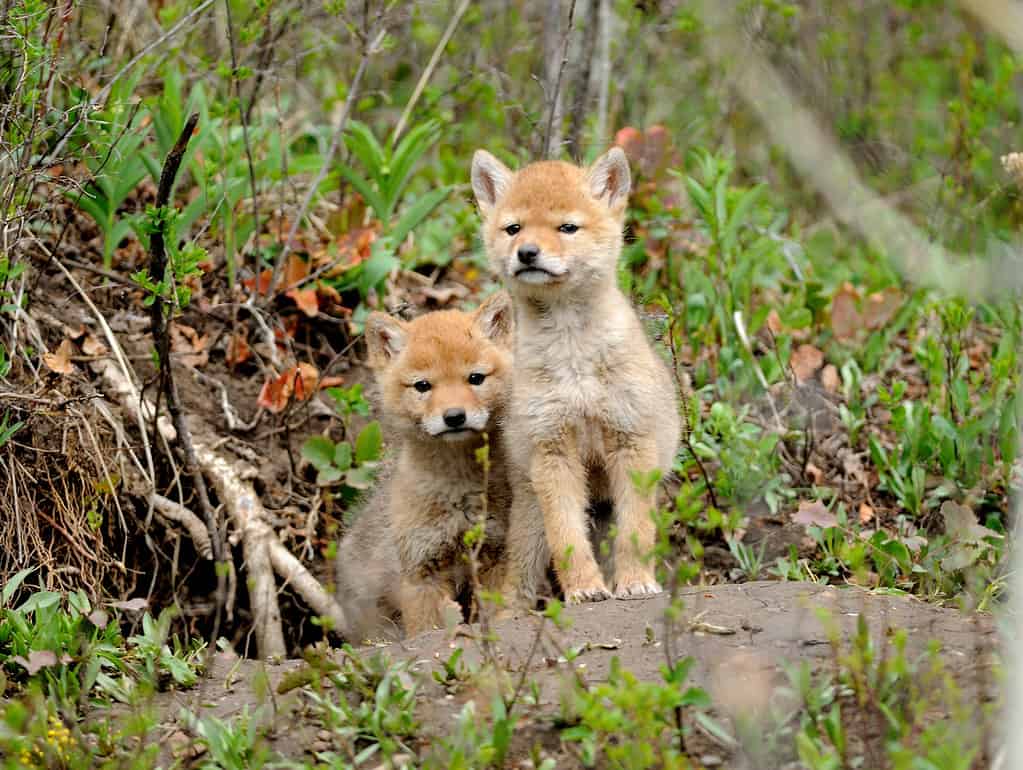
x,y
343,455
416,213
369,443
365,189
319,451
13,584
38,601
361,477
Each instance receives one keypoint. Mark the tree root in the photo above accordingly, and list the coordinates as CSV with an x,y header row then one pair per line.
x,y
263,551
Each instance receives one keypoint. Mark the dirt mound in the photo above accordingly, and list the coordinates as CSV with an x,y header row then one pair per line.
x,y
739,636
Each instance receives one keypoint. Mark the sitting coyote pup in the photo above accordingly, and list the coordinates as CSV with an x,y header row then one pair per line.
x,y
591,401
444,380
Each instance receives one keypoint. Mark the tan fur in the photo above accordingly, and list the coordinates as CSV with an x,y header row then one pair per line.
x,y
405,554
591,402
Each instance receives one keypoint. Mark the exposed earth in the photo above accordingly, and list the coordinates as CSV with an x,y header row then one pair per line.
x,y
739,636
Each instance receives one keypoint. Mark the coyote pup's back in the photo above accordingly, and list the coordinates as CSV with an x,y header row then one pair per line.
x,y
443,380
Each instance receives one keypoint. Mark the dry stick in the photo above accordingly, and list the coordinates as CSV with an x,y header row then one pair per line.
x,y
335,143
161,338
428,72
245,122
687,423
583,91
548,133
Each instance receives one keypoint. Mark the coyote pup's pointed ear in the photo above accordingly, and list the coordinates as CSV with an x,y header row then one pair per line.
x,y
610,180
490,178
385,338
495,319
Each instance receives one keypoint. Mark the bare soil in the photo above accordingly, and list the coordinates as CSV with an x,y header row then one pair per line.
x,y
739,636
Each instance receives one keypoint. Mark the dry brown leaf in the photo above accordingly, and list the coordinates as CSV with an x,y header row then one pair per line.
x,y
238,350
805,361
814,513
92,346
866,513
830,379
306,299
816,474
880,307
845,316
774,322
189,345
60,360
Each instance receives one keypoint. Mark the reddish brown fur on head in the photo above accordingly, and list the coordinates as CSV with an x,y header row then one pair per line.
x,y
529,216
427,369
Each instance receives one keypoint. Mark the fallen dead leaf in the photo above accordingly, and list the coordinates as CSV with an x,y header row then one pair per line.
x,y
189,345
37,659
961,524
845,317
814,513
92,346
866,513
881,306
774,322
297,381
307,300
805,361
830,379
816,474
238,350
60,360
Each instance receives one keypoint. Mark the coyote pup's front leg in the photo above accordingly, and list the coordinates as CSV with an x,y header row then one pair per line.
x,y
634,544
559,480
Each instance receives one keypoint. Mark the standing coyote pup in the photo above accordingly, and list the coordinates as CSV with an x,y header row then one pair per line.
x,y
444,380
591,401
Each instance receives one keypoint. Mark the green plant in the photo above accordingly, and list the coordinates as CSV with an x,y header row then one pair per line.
x,y
625,723
372,707
341,462
115,159
232,745
387,173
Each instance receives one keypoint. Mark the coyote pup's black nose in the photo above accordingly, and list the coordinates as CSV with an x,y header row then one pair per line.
x,y
528,252
454,418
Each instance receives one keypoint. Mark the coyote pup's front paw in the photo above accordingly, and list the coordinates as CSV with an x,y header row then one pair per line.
x,y
594,593
631,590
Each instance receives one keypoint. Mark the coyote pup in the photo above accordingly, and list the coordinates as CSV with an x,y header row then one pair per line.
x,y
443,380
591,401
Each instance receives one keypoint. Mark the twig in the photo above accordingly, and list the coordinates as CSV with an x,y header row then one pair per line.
x,y
161,338
428,72
554,111
583,91
243,115
328,161
687,422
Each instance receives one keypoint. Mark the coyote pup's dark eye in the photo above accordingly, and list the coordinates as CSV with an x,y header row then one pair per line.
x,y
476,378
421,385
512,229
568,228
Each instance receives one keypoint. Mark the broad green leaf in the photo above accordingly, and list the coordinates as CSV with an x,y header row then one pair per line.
x,y
369,443
416,213
319,451
343,455
12,585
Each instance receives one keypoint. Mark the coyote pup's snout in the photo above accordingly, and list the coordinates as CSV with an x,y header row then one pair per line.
x,y
591,402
